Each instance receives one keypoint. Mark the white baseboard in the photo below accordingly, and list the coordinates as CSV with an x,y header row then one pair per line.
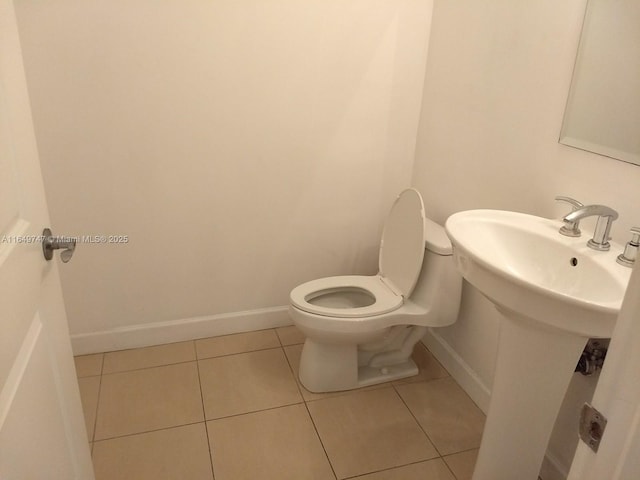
x,y
552,469
147,334
460,370
471,383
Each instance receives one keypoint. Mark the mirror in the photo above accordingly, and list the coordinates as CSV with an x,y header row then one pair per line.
x,y
603,109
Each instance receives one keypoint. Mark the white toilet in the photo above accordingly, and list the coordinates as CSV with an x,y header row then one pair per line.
x,y
361,330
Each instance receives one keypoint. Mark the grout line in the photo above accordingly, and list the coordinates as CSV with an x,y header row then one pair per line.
x,y
149,367
417,421
153,430
324,449
195,359
235,334
140,348
279,339
461,451
194,349
97,410
204,415
238,353
440,455
444,459
360,475
449,468
195,353
261,409
306,407
253,411
293,374
179,341
353,391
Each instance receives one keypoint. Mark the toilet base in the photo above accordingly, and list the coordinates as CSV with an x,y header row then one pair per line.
x,y
373,375
334,367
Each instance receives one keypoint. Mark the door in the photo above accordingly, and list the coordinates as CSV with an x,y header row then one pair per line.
x,y
617,397
42,431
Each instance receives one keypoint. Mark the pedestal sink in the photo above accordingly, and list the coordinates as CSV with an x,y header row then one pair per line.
x,y
553,293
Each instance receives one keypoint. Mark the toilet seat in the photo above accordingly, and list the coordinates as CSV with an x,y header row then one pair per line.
x,y
384,299
399,262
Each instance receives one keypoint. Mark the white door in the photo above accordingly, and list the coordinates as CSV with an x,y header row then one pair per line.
x,y
42,432
617,397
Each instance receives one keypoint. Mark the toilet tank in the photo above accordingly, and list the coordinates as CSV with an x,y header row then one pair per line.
x,y
439,285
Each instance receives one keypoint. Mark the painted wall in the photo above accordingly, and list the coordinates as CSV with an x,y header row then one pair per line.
x,y
497,79
243,147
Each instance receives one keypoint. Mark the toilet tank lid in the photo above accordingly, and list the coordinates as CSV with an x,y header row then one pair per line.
x,y
436,239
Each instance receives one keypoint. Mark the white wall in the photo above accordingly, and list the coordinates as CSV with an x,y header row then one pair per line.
x,y
497,79
243,146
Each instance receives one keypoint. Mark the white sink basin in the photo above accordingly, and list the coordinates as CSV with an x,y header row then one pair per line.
x,y
553,293
523,264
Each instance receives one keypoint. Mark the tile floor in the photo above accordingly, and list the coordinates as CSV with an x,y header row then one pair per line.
x,y
231,407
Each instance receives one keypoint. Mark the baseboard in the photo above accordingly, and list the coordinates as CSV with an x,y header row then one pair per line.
x,y
471,383
147,334
460,370
552,469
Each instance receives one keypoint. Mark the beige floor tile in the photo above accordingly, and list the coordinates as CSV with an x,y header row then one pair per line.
x,y
364,432
156,356
237,343
461,464
430,368
429,470
290,335
88,365
277,444
89,389
293,353
453,422
148,399
172,454
247,382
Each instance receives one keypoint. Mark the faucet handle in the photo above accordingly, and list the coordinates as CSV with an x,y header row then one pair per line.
x,y
572,201
628,257
571,229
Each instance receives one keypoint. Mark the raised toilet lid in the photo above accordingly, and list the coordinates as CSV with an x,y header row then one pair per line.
x,y
402,245
400,261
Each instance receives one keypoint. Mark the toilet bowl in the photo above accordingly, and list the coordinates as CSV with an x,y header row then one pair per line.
x,y
361,330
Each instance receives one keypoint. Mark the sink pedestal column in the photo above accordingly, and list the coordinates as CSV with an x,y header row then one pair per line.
x,y
534,367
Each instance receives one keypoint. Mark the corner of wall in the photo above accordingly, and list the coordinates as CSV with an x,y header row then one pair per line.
x,y
460,370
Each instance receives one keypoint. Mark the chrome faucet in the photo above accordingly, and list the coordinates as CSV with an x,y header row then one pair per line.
x,y
571,229
606,216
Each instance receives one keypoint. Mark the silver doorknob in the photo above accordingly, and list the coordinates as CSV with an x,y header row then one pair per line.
x,y
51,243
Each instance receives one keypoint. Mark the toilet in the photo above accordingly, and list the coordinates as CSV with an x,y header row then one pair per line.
x,y
361,330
